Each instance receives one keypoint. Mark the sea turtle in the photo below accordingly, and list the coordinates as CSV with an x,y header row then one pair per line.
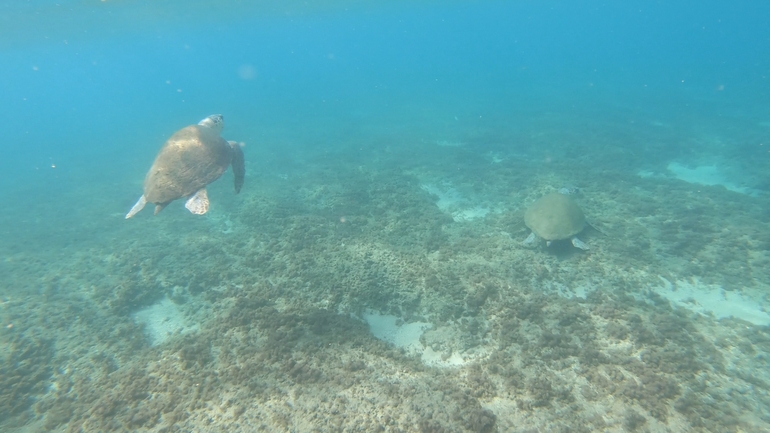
x,y
554,217
192,158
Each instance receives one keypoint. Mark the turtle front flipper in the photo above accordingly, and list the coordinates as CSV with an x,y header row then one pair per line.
x,y
530,240
579,244
137,207
239,165
198,204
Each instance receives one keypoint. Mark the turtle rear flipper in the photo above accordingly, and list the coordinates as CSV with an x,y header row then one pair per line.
x,y
137,207
239,165
530,240
198,204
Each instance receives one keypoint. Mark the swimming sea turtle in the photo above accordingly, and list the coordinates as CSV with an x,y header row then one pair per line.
x,y
192,158
554,217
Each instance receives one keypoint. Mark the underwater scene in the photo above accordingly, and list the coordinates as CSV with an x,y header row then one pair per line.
x,y
402,216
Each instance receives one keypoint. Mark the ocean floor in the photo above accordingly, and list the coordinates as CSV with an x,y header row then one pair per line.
x,y
388,289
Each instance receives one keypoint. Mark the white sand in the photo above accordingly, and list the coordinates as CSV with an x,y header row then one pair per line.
x,y
406,336
714,300
451,202
162,320
706,175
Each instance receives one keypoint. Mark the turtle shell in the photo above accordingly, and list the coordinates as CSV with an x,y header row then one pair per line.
x,y
555,216
192,158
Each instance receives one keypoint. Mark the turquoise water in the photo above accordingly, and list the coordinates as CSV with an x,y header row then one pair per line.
x,y
372,275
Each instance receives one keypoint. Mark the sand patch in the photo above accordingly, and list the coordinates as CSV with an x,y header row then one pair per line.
x,y
451,202
707,175
714,300
438,349
162,320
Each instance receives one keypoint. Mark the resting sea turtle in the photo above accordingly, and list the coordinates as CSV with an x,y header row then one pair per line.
x,y
554,217
192,158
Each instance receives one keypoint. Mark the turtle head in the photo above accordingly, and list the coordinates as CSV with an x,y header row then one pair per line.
x,y
215,122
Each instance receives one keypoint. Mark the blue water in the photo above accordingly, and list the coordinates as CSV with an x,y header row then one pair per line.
x,y
75,73
88,86
90,90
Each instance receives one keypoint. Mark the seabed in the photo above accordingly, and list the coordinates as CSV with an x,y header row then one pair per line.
x,y
370,288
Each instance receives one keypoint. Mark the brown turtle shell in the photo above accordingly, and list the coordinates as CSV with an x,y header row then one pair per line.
x,y
192,158
555,216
